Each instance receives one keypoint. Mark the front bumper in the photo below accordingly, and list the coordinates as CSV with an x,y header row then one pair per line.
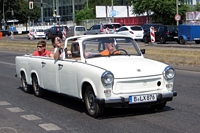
x,y
122,102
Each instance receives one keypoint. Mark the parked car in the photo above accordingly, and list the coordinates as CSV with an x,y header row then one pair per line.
x,y
163,33
5,32
36,34
146,27
123,78
56,31
134,31
76,31
103,28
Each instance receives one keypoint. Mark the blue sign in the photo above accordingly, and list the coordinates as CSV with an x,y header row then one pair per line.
x,y
12,28
112,13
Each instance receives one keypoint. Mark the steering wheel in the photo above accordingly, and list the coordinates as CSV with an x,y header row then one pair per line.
x,y
119,50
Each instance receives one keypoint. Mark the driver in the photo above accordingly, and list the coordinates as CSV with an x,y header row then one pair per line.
x,y
109,49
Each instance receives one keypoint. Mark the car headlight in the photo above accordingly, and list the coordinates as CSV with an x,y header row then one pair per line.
x,y
107,78
169,73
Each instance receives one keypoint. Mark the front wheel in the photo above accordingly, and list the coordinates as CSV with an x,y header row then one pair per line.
x,y
145,39
38,91
94,109
197,41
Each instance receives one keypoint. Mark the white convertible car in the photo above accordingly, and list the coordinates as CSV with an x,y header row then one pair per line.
x,y
123,78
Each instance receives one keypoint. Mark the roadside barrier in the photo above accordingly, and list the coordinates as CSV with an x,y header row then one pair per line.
x,y
30,35
1,35
107,30
152,34
64,34
11,35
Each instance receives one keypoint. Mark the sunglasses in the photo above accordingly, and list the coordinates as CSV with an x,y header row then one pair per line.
x,y
59,39
39,46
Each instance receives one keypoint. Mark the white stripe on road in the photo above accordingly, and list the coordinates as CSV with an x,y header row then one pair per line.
x,y
7,63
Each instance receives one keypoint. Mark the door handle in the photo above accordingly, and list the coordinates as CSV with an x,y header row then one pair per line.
x,y
60,65
43,63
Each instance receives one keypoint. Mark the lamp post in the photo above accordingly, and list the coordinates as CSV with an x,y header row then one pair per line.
x,y
4,22
112,11
177,22
41,11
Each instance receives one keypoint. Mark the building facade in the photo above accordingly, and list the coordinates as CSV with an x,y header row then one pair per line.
x,y
63,9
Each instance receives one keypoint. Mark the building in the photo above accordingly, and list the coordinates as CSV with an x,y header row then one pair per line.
x,y
63,9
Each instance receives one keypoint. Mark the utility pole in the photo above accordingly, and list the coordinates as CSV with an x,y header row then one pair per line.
x,y
73,10
41,12
177,22
4,22
112,11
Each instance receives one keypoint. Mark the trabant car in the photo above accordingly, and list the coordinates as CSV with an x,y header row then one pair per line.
x,y
123,78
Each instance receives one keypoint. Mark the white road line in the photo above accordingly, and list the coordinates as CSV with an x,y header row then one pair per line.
x,y
49,127
30,117
4,103
7,63
15,109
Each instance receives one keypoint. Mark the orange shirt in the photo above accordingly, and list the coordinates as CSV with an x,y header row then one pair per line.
x,y
106,52
45,53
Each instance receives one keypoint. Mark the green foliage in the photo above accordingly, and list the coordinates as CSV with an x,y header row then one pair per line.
x,y
86,13
21,10
163,10
197,7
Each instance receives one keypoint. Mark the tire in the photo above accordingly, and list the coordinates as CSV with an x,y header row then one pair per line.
x,y
93,109
27,88
159,106
197,41
47,38
38,91
181,40
162,40
145,39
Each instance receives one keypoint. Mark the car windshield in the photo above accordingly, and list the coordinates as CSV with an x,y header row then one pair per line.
x,y
137,28
108,26
116,46
172,28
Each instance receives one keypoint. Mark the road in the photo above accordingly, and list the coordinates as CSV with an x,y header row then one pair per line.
x,y
24,113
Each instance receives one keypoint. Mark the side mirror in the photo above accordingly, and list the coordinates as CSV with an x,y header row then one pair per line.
x,y
142,51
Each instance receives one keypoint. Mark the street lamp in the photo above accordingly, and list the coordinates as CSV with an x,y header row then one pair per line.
x,y
177,22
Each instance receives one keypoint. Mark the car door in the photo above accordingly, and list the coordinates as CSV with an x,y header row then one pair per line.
x,y
49,74
90,31
159,33
67,75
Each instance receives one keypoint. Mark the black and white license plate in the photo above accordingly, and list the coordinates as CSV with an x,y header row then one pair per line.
x,y
142,98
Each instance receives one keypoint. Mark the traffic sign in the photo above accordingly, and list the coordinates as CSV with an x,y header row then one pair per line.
x,y
177,17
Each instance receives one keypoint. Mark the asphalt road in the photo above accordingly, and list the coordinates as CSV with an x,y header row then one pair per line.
x,y
24,113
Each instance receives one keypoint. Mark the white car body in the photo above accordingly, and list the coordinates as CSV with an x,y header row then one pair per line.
x,y
136,32
36,34
117,80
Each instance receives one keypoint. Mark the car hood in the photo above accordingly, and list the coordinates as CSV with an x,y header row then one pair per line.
x,y
129,67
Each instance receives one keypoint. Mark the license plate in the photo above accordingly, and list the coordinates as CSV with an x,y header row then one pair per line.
x,y
142,98
196,38
175,37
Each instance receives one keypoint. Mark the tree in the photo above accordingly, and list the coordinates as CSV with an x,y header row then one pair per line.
x,y
20,9
197,7
86,13
163,10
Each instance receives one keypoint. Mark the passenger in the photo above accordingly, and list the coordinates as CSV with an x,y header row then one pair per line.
x,y
41,50
109,49
58,51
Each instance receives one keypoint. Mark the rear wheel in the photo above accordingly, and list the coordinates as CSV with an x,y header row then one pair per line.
x,y
94,109
27,88
162,39
159,106
182,41
38,91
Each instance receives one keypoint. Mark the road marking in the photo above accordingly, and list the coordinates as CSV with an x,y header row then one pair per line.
x,y
4,103
7,63
49,127
30,117
15,109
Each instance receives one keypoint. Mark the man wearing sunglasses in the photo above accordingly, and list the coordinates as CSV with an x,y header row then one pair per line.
x,y
41,50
